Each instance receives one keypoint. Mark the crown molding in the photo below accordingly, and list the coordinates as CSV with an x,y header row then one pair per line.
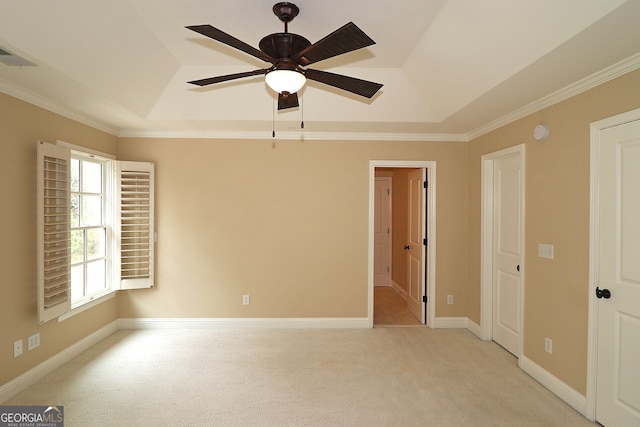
x,y
621,68
296,136
54,107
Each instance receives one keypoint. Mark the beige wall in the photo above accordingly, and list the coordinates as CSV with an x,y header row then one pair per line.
x,y
556,212
285,222
21,125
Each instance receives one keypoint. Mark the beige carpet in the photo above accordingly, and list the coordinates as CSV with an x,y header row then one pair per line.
x,y
355,377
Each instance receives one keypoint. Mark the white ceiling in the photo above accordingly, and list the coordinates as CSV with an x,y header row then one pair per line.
x,y
450,68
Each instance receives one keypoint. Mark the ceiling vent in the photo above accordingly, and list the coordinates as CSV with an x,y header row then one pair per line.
x,y
13,60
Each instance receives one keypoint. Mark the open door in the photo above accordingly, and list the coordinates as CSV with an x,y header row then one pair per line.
x,y
416,244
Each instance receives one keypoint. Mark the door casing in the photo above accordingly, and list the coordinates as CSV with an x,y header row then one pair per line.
x,y
430,214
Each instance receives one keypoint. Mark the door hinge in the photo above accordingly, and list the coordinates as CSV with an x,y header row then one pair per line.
x,y
388,230
388,192
425,184
425,242
424,298
388,270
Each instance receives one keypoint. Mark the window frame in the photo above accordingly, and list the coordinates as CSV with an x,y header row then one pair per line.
x,y
108,196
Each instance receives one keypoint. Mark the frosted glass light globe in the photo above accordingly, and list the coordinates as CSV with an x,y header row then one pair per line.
x,y
285,80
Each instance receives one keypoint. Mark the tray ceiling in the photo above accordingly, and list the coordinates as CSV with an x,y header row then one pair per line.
x,y
450,68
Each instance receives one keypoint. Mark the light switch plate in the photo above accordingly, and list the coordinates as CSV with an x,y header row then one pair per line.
x,y
545,250
33,341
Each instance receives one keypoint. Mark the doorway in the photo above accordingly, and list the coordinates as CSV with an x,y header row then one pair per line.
x,y
415,244
502,237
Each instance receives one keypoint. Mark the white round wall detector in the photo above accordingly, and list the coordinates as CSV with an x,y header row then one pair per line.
x,y
541,132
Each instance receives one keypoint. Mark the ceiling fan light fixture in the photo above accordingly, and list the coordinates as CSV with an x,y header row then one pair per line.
x,y
290,54
281,81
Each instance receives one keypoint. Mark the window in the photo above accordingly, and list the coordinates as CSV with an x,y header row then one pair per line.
x,y
95,227
89,231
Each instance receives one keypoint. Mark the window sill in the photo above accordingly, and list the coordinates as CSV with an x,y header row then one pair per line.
x,y
87,305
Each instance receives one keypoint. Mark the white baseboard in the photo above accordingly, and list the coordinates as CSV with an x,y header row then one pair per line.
x,y
458,323
245,323
450,323
555,385
474,328
43,369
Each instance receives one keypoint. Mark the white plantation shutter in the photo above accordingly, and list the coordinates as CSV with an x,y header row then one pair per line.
x,y
53,229
135,224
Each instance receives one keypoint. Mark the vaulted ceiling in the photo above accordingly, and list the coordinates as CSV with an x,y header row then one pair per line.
x,y
450,68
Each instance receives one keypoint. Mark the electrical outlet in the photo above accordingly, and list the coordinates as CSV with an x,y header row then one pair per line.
x,y
245,299
548,345
17,348
33,341
449,299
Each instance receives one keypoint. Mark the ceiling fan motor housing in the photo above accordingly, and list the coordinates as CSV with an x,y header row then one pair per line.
x,y
283,46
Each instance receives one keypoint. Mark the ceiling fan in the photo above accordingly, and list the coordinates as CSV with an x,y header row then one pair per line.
x,y
288,53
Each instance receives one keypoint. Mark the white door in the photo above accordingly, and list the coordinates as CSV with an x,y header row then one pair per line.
x,y
507,252
382,233
415,245
618,376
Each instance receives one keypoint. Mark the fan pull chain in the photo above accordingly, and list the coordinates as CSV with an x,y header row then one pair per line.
x,y
273,120
302,112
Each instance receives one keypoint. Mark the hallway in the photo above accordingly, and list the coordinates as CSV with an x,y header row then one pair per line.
x,y
390,308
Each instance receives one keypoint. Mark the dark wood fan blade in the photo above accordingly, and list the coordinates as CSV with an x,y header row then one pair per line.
x,y
222,37
351,84
226,78
343,40
289,101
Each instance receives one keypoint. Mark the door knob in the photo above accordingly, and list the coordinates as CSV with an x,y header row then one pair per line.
x,y
406,247
603,293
